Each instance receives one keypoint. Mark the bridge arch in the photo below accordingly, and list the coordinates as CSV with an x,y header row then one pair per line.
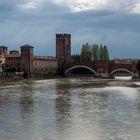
x,y
121,69
80,66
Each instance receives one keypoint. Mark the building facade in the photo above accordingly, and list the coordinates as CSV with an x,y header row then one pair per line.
x,y
3,53
44,64
25,61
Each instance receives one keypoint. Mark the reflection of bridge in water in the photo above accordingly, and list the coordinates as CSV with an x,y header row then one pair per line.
x,y
103,68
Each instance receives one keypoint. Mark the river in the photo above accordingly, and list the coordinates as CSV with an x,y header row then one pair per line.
x,y
70,109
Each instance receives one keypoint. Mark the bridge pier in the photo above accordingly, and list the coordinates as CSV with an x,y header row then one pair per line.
x,y
104,75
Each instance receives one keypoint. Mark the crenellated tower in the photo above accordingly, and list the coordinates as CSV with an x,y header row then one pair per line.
x,y
63,47
3,50
27,59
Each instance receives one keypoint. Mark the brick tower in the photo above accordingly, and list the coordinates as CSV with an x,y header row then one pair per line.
x,y
27,59
63,46
3,50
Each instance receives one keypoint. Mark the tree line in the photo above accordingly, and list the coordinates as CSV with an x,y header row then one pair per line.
x,y
92,53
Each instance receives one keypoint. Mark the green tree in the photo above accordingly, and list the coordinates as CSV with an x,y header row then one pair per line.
x,y
86,53
94,53
106,54
101,53
82,55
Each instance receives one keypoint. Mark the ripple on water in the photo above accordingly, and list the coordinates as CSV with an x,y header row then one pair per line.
x,y
119,83
71,112
119,90
127,91
136,83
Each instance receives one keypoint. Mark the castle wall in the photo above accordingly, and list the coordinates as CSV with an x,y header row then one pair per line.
x,y
44,65
27,62
13,61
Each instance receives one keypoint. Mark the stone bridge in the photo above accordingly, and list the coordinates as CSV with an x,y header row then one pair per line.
x,y
103,68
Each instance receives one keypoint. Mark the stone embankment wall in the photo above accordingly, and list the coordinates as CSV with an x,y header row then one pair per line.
x,y
10,76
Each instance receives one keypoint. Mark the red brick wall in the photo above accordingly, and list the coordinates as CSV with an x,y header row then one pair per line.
x,y
44,66
63,46
27,59
13,61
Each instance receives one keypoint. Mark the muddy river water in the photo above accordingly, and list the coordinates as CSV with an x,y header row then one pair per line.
x,y
70,109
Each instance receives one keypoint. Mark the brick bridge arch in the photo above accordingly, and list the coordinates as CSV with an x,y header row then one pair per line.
x,y
80,66
103,68
120,69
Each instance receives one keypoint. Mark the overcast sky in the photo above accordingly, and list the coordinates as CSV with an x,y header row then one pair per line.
x,y
115,23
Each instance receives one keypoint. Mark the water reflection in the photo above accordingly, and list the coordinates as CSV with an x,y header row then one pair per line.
x,y
26,104
70,109
1,102
138,100
63,108
26,100
120,113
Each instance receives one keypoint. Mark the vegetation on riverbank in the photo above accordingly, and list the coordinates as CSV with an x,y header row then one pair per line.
x,y
15,78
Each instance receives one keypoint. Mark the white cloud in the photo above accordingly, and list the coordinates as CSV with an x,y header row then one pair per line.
x,y
30,4
111,5
136,8
132,6
82,5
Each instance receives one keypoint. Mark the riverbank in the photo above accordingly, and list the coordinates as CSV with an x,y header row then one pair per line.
x,y
102,81
18,78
